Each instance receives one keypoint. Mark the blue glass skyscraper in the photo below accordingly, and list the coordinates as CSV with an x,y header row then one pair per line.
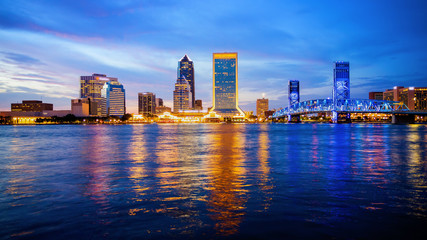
x,y
186,70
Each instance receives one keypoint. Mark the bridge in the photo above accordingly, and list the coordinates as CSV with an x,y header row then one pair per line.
x,y
399,111
341,106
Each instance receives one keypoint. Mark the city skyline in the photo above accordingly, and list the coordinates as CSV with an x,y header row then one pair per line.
x,y
276,42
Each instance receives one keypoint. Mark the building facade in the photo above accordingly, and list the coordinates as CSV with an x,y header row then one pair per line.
x,y
91,87
225,85
415,98
376,95
31,106
186,70
147,103
199,105
261,107
113,99
341,89
159,102
388,95
182,97
80,107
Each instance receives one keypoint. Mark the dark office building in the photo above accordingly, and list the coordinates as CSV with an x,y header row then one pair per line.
x,y
31,106
159,102
186,70
199,105
146,103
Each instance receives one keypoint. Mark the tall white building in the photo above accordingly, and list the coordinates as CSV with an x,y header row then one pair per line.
x,y
113,99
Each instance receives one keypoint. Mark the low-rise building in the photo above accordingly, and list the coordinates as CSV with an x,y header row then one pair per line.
x,y
31,106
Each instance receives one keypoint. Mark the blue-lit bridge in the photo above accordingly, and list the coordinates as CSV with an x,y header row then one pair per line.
x,y
341,106
399,111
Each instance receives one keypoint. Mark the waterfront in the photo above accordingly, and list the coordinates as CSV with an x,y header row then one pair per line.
x,y
207,181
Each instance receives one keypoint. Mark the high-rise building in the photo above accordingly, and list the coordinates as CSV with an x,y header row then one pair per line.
x,y
293,92
341,89
182,95
146,103
225,85
90,87
113,101
186,70
199,105
31,106
415,98
261,107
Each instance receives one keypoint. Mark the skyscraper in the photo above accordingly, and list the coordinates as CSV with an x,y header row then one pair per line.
x,y
186,70
293,92
146,103
341,90
225,85
182,98
90,87
261,107
113,99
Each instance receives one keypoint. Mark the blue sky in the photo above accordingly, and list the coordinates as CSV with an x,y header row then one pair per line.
x,y
45,46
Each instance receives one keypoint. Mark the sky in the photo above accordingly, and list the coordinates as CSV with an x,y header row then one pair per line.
x,y
45,46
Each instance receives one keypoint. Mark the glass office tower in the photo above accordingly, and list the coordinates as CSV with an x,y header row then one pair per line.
x,y
90,87
225,85
186,70
113,99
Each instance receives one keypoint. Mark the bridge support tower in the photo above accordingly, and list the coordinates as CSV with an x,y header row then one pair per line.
x,y
294,118
341,117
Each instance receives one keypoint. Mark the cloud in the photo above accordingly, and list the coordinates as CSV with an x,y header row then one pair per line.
x,y
15,58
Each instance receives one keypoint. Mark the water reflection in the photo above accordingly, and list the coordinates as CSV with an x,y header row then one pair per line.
x,y
19,168
264,168
98,149
417,169
138,155
226,173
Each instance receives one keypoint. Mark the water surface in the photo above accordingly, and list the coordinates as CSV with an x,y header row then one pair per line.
x,y
208,181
